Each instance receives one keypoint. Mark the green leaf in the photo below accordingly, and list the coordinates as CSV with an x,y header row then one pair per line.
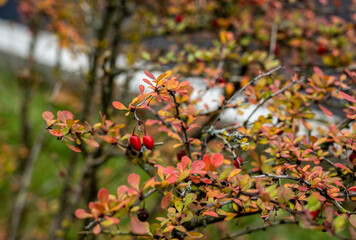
x,y
313,203
339,223
146,56
65,131
189,198
178,205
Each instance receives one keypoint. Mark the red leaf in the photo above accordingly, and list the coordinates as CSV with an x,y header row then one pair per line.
x,y
217,159
318,71
134,181
208,165
337,182
166,200
210,213
97,229
137,226
64,116
339,165
352,220
150,75
206,180
142,88
91,142
352,189
326,111
103,196
185,161
74,148
198,166
48,117
347,97
148,82
108,138
119,105
81,213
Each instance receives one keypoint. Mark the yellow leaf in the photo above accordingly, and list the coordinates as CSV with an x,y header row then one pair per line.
x,y
223,37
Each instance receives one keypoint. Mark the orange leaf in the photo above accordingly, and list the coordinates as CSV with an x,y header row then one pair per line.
x,y
210,213
217,159
56,132
166,200
108,138
103,196
119,105
134,181
74,148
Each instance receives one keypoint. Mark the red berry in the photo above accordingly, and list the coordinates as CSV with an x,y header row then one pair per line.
x,y
215,23
148,142
220,80
238,162
321,50
314,214
135,142
179,18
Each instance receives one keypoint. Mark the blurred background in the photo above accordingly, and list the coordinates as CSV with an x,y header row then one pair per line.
x,y
80,55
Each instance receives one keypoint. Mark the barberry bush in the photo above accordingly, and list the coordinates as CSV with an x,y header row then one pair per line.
x,y
251,112
292,177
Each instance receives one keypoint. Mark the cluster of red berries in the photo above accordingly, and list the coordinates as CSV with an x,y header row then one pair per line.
x,y
135,141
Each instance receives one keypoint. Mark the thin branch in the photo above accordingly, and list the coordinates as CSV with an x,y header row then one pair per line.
x,y
114,233
261,75
259,228
260,104
184,128
321,191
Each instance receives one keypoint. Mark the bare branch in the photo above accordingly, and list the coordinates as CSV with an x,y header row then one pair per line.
x,y
259,228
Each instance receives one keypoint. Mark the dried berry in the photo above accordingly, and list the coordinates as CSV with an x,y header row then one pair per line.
x,y
143,214
181,153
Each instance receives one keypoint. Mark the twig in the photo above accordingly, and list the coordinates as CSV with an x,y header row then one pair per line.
x,y
269,97
321,191
184,128
259,228
114,233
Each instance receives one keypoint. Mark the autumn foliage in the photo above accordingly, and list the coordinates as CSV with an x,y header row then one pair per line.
x,y
277,140
291,174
